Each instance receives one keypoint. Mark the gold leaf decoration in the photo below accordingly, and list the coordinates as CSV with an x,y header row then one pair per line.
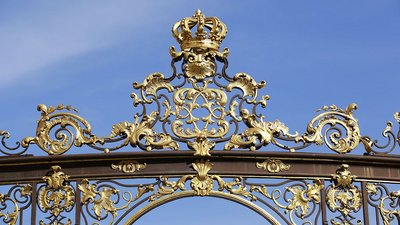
x,y
11,217
65,138
397,116
273,166
388,205
257,132
101,199
202,183
300,202
57,196
344,196
247,84
152,84
331,117
128,166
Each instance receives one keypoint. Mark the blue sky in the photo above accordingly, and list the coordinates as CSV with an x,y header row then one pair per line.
x,y
88,54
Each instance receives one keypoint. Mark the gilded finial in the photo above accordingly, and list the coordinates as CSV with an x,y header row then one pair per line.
x,y
200,39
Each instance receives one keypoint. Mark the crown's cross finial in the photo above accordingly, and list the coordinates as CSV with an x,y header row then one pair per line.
x,y
182,31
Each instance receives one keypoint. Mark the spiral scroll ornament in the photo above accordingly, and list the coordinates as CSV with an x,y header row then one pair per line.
x,y
336,139
61,123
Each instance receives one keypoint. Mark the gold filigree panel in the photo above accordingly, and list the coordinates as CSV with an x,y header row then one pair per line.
x,y
201,108
57,196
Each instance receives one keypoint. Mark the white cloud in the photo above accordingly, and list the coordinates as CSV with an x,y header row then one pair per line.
x,y
40,35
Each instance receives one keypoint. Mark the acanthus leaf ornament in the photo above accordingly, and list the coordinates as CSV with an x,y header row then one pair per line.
x,y
101,200
258,133
202,183
57,196
344,196
299,204
202,108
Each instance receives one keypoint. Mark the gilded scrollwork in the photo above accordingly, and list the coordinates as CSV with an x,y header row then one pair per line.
x,y
201,107
10,217
101,200
10,150
373,146
258,131
57,196
388,202
128,166
273,165
135,132
301,199
332,116
344,196
64,137
202,183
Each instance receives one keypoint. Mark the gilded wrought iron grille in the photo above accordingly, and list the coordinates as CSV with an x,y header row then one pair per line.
x,y
218,118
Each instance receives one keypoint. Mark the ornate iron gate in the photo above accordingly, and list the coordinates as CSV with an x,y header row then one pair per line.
x,y
216,117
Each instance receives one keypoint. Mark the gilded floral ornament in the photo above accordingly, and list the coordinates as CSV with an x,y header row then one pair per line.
x,y
248,86
128,166
344,196
258,133
273,166
301,200
101,199
142,130
201,107
150,86
202,183
57,196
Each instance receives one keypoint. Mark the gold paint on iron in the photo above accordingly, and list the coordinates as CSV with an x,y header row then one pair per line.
x,y
344,196
128,166
57,196
202,183
183,34
205,108
273,166
391,200
101,199
65,138
11,217
300,203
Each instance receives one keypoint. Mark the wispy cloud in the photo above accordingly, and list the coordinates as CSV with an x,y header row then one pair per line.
x,y
35,36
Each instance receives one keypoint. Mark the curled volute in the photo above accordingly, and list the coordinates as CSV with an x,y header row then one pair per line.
x,y
336,139
61,123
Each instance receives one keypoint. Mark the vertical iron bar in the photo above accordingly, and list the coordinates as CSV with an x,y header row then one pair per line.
x,y
323,206
33,199
78,206
365,202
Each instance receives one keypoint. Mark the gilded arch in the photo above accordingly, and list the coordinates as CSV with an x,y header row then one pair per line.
x,y
217,118
216,194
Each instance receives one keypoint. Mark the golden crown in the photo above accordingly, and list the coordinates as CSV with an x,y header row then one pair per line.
x,y
201,39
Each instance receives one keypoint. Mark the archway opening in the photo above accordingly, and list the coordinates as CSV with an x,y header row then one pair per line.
x,y
218,208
